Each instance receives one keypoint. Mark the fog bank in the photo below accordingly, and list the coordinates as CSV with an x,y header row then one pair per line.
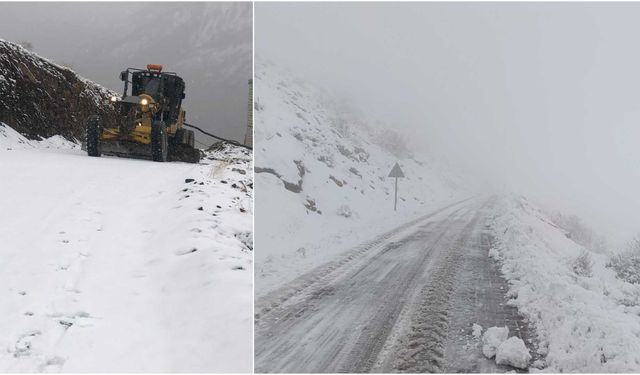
x,y
539,98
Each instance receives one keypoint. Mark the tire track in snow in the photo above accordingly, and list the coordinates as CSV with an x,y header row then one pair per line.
x,y
422,350
335,320
329,270
467,288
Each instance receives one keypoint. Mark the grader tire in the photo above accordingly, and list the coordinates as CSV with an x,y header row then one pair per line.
x,y
190,138
180,137
159,141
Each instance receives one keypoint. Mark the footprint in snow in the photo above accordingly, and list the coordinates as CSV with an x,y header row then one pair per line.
x,y
23,344
66,323
185,252
52,364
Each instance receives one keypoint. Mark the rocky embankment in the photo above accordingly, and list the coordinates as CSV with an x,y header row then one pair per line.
x,y
40,99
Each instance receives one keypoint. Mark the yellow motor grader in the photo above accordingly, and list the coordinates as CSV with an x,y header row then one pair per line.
x,y
151,122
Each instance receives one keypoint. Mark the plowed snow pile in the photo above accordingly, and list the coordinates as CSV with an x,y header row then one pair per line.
x,y
322,177
587,319
121,265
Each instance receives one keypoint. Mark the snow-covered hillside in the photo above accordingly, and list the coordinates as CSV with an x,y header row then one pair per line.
x,y
587,320
121,265
322,182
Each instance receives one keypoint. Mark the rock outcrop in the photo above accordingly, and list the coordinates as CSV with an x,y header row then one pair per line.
x,y
40,99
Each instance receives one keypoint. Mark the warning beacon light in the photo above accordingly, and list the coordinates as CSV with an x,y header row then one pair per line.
x,y
154,67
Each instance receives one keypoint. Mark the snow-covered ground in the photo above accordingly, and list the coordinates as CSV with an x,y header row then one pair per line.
x,y
321,177
587,320
122,265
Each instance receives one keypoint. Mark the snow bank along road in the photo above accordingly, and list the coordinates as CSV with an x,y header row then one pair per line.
x,y
112,265
404,302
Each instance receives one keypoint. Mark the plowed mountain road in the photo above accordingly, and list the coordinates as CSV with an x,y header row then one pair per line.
x,y
404,302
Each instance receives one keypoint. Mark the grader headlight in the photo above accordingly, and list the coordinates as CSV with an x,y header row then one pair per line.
x,y
114,99
144,101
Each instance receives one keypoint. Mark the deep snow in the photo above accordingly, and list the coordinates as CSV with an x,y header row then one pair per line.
x,y
119,265
584,323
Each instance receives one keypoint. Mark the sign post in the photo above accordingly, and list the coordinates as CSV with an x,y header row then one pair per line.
x,y
396,172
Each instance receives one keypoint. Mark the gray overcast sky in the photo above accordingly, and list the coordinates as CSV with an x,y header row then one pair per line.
x,y
208,44
543,98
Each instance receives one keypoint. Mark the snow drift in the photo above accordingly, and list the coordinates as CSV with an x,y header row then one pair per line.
x,y
587,320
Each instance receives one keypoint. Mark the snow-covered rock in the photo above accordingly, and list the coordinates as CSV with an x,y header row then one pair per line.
x,y
492,338
513,352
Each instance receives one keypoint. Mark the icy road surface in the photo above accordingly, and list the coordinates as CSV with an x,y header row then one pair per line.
x,y
404,302
118,265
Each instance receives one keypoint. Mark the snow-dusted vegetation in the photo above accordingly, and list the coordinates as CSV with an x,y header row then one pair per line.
x,y
121,265
626,263
587,317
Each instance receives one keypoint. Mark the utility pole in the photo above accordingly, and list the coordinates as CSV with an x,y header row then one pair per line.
x,y
248,137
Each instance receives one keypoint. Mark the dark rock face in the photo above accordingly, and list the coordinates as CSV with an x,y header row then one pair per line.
x,y
41,99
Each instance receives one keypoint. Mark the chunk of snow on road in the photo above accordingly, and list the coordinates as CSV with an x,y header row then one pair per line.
x,y
492,338
513,352
476,330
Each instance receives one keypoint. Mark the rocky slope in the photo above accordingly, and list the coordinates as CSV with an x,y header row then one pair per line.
x,y
322,173
40,99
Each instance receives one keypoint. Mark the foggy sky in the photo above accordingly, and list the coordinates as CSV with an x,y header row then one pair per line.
x,y
540,98
207,44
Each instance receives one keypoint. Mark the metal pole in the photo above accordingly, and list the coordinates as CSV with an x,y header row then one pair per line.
x,y
395,203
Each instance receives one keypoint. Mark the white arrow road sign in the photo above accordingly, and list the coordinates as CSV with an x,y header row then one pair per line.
x,y
396,172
